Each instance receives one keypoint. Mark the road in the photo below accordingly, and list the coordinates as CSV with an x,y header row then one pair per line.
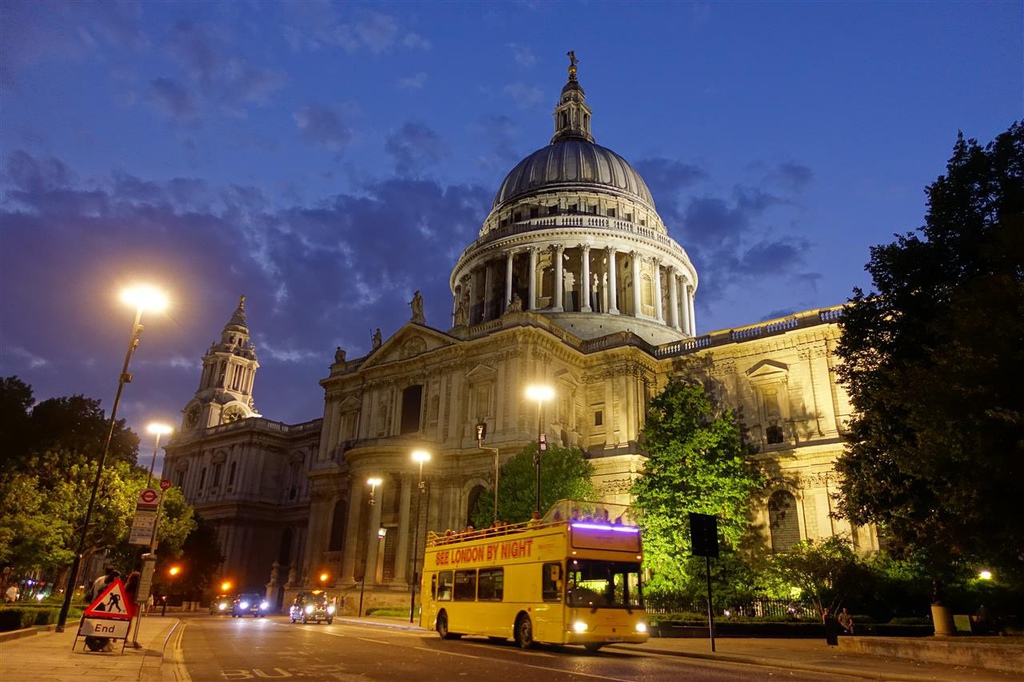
x,y
273,648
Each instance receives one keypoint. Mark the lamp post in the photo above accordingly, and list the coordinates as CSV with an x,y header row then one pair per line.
x,y
373,483
149,559
420,456
143,298
541,394
157,429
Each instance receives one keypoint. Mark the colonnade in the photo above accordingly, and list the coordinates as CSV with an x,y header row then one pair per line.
x,y
576,279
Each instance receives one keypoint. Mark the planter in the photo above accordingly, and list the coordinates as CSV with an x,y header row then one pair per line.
x,y
942,619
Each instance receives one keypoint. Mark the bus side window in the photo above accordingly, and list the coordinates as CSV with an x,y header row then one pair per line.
x,y
551,582
433,585
465,585
444,586
492,584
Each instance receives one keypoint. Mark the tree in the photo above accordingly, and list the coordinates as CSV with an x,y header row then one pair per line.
x,y
565,474
825,571
935,448
697,462
15,415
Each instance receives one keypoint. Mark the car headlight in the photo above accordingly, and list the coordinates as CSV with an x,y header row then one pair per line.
x,y
579,626
641,627
244,605
330,609
310,609
264,605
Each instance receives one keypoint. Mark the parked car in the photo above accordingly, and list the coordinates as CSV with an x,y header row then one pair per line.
x,y
312,606
222,605
250,603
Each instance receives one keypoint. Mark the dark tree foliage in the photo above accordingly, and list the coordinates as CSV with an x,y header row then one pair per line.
x,y
199,559
932,360
15,414
697,462
78,424
565,474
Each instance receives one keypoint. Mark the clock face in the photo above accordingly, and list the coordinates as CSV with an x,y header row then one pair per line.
x,y
192,417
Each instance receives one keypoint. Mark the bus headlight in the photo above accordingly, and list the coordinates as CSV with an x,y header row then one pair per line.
x,y
641,627
309,608
579,626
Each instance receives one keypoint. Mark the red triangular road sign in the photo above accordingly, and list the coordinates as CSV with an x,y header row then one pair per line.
x,y
110,604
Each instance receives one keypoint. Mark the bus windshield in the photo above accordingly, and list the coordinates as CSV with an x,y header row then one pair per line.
x,y
604,584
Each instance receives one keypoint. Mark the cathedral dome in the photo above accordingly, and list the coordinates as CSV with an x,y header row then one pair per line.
x,y
570,163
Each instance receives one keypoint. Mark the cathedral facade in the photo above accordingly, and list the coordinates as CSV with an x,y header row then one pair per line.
x,y
573,283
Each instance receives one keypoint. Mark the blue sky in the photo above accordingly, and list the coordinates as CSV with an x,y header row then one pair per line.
x,y
328,159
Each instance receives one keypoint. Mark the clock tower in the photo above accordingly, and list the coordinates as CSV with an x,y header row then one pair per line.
x,y
229,368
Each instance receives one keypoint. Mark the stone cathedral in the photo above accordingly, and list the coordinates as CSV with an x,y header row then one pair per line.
x,y
573,282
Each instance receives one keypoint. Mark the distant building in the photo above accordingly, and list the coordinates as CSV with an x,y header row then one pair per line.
x,y
573,282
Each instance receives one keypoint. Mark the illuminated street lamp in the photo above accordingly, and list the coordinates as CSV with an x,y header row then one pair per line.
x,y
373,483
143,298
157,429
541,394
419,456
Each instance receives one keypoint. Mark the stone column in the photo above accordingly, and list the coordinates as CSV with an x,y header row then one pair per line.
x,y
690,292
355,509
686,309
585,285
613,289
404,525
509,263
557,250
673,298
657,290
532,303
635,255
488,274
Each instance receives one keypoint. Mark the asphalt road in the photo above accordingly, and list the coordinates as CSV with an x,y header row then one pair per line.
x,y
274,649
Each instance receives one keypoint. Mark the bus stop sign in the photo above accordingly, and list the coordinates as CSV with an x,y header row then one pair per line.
x,y
704,535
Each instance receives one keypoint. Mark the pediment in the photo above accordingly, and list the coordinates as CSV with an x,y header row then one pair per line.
x,y
349,404
408,342
481,373
768,371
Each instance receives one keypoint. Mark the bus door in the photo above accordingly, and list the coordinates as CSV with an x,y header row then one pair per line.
x,y
549,615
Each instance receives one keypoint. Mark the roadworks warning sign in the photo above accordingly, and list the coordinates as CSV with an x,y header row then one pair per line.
x,y
111,604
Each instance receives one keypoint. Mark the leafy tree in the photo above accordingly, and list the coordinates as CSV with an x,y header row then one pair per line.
x,y
198,559
565,474
826,571
78,424
936,444
15,415
697,462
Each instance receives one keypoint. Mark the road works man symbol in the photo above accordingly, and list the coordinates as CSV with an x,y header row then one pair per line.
x,y
110,604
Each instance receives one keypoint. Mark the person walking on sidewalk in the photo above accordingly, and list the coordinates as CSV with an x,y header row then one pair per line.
x,y
831,628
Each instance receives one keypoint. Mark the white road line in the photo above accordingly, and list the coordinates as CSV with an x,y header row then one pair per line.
x,y
447,653
375,641
574,672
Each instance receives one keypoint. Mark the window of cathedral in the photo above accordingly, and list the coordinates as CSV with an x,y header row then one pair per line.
x,y
774,434
611,212
592,210
232,470
552,210
202,480
629,217
412,406
782,520
338,519
573,208
598,418
534,212
517,216
218,471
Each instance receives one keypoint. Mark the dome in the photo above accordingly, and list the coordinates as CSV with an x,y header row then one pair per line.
x,y
571,163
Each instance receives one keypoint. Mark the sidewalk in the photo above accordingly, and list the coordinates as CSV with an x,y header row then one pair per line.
x,y
46,656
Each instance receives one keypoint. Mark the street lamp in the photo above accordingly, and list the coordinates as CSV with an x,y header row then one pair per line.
x,y
373,483
541,394
420,456
157,429
143,298
172,573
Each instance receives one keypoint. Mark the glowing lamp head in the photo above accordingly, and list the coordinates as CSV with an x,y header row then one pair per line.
x,y
374,482
145,298
985,574
158,429
421,456
174,570
540,393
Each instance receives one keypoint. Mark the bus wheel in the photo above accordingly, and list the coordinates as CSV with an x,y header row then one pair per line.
x,y
442,626
593,647
524,632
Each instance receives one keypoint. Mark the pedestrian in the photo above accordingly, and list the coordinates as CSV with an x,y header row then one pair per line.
x,y
831,628
131,589
149,603
12,593
846,621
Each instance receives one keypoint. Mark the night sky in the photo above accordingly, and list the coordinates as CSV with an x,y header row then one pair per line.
x,y
328,159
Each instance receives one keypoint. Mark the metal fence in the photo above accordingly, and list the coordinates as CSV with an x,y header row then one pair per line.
x,y
665,605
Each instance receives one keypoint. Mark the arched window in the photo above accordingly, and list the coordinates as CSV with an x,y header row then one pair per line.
x,y
774,434
337,541
782,521
474,499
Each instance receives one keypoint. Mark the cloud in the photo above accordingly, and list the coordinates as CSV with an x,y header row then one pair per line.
x,y
525,96
522,54
414,147
314,25
176,101
499,134
794,177
414,82
321,126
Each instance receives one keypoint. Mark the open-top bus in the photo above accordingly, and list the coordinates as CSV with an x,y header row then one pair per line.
x,y
572,577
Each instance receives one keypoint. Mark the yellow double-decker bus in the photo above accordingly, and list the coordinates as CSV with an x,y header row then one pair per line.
x,y
572,577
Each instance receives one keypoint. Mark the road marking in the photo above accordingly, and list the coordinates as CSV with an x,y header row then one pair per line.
x,y
576,672
449,653
375,641
178,654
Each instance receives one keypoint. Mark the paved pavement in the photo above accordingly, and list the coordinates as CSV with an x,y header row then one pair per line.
x,y
47,656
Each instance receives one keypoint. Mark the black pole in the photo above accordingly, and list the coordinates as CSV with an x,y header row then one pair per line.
x,y
415,549
536,460
711,611
123,379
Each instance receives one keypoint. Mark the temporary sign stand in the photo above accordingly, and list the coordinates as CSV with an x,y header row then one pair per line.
x,y
109,616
